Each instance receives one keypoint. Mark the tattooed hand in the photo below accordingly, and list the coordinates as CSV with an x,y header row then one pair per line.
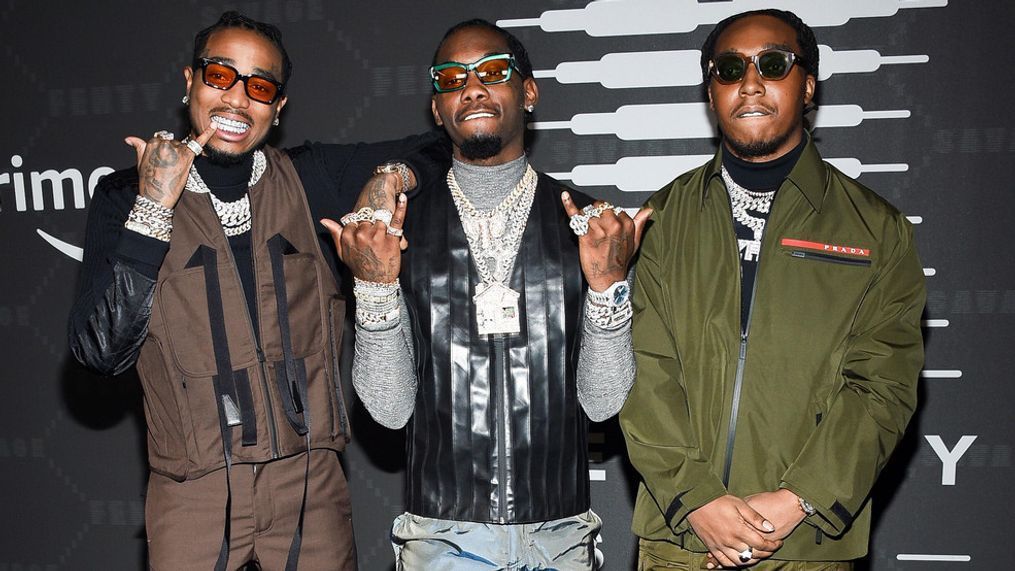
x,y
370,252
382,192
611,242
163,166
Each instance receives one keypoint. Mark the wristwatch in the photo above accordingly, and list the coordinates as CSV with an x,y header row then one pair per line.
x,y
398,168
807,507
615,296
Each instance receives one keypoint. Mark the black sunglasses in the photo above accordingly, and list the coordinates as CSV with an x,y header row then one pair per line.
x,y
772,65
222,76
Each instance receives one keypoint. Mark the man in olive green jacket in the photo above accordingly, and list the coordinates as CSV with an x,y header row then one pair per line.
x,y
776,330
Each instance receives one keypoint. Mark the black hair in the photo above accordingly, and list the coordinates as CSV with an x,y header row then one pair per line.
x,y
233,19
804,38
515,47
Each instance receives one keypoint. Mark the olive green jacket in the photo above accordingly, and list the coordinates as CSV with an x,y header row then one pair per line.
x,y
830,365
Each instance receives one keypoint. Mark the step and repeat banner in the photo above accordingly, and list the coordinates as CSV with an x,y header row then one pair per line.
x,y
914,102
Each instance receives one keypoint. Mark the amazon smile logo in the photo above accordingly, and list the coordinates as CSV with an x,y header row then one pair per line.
x,y
49,190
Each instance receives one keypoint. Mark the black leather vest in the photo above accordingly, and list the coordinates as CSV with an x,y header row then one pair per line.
x,y
498,434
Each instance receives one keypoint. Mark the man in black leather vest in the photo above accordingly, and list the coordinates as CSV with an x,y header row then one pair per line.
x,y
500,332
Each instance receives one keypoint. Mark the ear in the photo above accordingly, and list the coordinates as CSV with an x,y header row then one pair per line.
x,y
708,90
530,91
280,104
188,74
810,83
433,109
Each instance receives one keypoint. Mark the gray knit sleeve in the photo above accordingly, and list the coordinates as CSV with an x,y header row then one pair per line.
x,y
382,369
605,370
606,367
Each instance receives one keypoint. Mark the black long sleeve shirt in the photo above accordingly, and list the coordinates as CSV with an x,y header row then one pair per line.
x,y
332,177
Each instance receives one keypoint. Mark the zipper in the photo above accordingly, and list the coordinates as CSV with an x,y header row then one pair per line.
x,y
828,258
738,381
272,433
500,369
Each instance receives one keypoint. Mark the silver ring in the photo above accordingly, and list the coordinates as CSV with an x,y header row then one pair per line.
x,y
195,147
365,214
746,555
396,232
382,215
580,224
164,135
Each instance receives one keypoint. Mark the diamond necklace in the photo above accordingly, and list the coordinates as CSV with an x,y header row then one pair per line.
x,y
234,216
742,199
495,235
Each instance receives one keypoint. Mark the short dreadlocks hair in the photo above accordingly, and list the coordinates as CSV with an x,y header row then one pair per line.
x,y
515,47
233,19
804,37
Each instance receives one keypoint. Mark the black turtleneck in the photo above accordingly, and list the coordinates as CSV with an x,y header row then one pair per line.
x,y
760,177
229,183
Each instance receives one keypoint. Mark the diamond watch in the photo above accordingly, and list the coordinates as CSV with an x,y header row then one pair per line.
x,y
398,168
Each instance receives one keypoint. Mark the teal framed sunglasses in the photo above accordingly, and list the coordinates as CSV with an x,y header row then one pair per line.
x,y
490,70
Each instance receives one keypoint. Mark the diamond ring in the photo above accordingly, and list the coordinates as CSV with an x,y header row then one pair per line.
x,y
746,555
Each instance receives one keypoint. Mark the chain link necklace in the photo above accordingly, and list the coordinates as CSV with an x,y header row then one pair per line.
x,y
495,235
234,216
742,200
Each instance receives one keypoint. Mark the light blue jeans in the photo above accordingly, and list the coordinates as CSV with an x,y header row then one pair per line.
x,y
427,544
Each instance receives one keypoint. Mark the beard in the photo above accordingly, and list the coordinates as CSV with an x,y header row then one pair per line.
x,y
224,159
755,149
479,147
761,147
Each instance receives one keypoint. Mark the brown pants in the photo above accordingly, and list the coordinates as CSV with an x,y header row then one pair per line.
x,y
185,520
659,555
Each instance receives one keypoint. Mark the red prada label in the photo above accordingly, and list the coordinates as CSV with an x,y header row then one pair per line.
x,y
830,248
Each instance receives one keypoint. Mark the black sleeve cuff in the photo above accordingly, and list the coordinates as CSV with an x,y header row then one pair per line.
x,y
141,253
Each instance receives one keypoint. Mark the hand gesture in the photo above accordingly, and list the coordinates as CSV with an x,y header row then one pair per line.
x,y
381,192
369,247
610,242
163,165
728,526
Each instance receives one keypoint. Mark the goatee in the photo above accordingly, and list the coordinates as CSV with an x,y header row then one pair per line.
x,y
224,159
479,147
755,149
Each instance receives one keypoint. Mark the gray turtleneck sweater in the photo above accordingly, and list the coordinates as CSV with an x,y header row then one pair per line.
x,y
382,368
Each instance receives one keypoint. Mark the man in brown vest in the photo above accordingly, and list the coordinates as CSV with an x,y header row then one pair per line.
x,y
205,268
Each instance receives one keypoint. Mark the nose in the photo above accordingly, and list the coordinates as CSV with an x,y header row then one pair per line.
x,y
236,96
474,88
752,83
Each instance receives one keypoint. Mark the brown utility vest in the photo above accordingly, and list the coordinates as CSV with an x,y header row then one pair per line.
x,y
207,377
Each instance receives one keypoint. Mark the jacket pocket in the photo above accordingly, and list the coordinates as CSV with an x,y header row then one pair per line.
x,y
830,258
183,302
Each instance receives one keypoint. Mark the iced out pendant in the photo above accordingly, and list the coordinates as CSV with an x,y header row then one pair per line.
x,y
496,309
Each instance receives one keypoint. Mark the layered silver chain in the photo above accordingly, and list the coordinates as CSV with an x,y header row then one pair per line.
x,y
742,200
235,215
495,235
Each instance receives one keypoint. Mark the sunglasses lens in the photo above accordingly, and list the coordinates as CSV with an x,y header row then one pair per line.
x,y
450,78
774,65
260,89
494,71
729,67
219,76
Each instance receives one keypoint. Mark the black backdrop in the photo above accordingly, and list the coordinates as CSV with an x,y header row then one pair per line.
x,y
933,132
